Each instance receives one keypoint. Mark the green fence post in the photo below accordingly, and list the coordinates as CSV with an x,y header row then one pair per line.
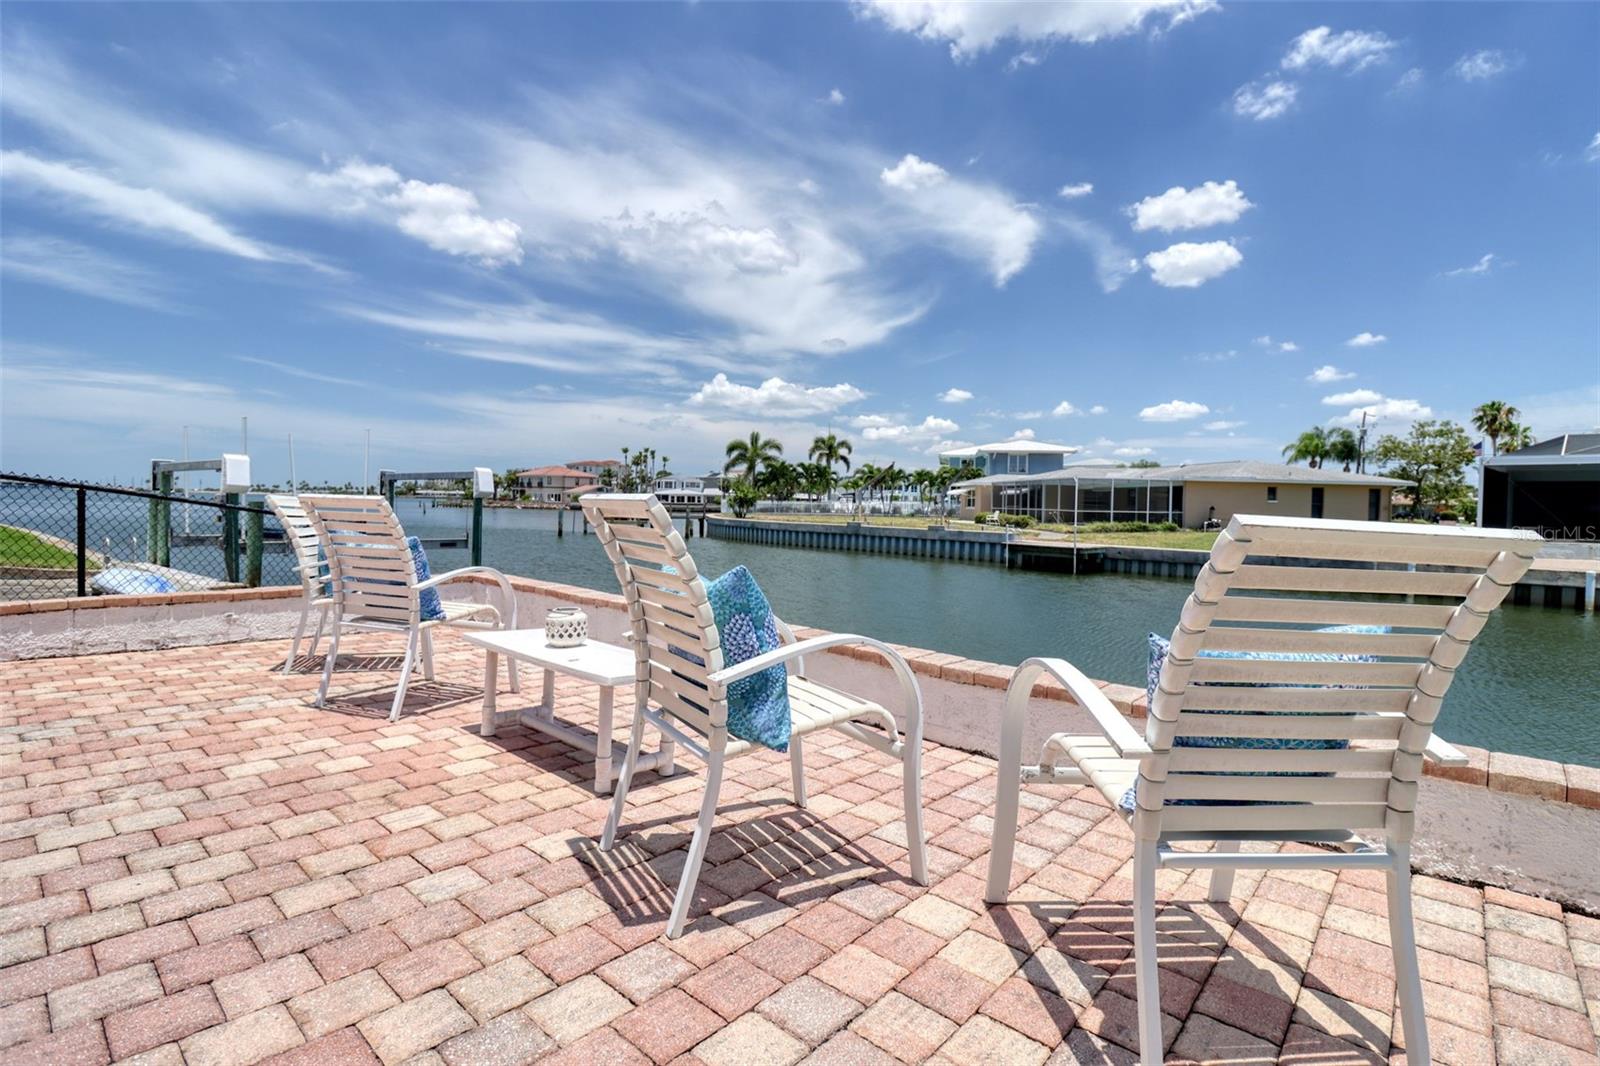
x,y
83,543
230,539
252,549
163,547
477,531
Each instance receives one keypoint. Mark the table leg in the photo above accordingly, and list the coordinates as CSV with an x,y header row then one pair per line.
x,y
491,665
602,748
548,710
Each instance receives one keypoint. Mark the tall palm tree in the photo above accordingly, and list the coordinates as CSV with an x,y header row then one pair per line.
x,y
1516,437
1310,447
751,454
832,449
1494,419
1343,447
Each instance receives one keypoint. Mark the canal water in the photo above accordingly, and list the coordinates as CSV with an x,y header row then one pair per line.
x,y
1531,684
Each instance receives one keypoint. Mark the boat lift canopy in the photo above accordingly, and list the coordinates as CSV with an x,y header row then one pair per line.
x,y
480,482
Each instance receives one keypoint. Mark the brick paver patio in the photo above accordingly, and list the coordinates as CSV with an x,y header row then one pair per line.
x,y
196,866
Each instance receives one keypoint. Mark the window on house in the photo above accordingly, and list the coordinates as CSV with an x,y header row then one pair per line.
x,y
1272,494
1016,464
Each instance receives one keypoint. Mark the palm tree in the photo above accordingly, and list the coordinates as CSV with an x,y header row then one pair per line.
x,y
1494,420
751,454
832,449
1516,436
1310,447
1343,447
817,479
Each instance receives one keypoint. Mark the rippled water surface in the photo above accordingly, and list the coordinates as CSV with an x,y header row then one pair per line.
x,y
1531,684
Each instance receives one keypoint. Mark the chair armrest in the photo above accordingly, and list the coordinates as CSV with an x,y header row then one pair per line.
x,y
1443,752
801,648
506,592
1124,739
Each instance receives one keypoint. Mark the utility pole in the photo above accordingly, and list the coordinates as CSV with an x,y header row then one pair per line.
x,y
1361,445
294,486
366,463
244,435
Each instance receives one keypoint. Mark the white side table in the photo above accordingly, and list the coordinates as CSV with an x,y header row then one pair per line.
x,y
606,665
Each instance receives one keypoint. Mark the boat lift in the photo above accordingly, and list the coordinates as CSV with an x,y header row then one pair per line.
x,y
480,482
235,473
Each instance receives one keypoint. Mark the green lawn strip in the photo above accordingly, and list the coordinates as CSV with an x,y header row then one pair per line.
x,y
18,547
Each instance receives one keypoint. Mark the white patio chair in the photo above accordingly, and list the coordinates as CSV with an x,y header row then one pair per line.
x,y
668,608
1378,691
375,586
311,563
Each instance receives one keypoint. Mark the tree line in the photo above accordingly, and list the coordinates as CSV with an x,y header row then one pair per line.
x,y
759,471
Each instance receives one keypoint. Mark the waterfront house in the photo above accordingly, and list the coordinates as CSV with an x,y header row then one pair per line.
x,y
595,467
1191,495
691,493
1552,486
555,484
1017,456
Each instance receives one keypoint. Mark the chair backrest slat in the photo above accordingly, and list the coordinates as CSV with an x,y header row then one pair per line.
x,y
667,607
371,566
1288,726
300,534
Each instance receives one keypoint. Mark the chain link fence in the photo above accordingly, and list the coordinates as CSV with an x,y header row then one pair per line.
x,y
67,538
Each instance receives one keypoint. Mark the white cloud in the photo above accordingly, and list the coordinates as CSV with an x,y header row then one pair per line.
x,y
913,172
1097,409
133,208
1178,208
1133,453
1082,188
1484,264
1288,346
775,397
1365,339
1222,426
1326,375
1113,263
1408,81
972,28
1360,396
954,396
1024,58
835,97
1356,49
1064,408
1174,411
1029,416
1023,434
1592,153
980,221
72,266
1482,65
1383,409
930,429
1266,341
1263,100
1187,265
444,217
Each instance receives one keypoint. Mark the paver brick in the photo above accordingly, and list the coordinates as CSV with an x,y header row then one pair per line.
x,y
432,966
509,1040
261,986
342,1003
99,996
161,1021
414,1026
572,1010
244,1040
507,984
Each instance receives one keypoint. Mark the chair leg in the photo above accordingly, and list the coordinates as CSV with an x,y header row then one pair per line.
x,y
797,769
629,761
405,676
1222,877
911,785
1146,974
1402,936
322,620
299,632
1007,799
427,655
327,667
697,846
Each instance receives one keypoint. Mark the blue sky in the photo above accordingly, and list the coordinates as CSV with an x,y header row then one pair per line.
x,y
519,234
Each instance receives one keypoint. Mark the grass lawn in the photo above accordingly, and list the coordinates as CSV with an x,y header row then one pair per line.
x,y
1194,539
18,547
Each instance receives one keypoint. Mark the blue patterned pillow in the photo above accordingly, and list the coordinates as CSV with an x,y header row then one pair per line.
x,y
758,705
430,607
1158,652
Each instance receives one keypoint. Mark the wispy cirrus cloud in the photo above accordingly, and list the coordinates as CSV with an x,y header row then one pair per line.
x,y
76,267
